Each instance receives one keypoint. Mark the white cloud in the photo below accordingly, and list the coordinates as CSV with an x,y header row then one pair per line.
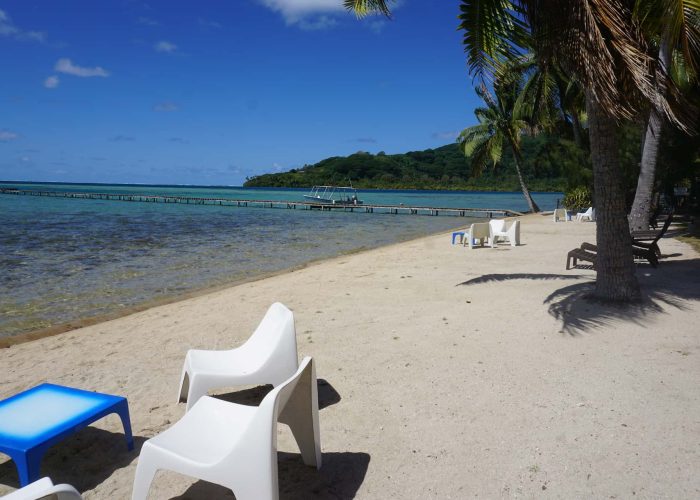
x,y
166,107
294,11
165,46
7,136
7,28
51,82
450,135
66,66
319,23
147,21
208,24
376,26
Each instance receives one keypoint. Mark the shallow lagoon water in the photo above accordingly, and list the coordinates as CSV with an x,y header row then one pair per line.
x,y
65,259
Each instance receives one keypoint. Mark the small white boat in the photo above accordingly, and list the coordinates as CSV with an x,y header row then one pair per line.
x,y
333,195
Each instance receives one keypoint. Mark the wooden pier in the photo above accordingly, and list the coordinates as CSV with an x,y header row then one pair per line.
x,y
292,205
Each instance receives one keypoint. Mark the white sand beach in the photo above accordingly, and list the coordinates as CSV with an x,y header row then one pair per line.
x,y
444,372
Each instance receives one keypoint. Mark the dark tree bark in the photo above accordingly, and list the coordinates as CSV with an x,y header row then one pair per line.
x,y
641,207
576,126
526,192
616,280
518,162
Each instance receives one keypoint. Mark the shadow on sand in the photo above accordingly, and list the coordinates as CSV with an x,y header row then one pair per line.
x,y
672,284
84,460
340,477
327,395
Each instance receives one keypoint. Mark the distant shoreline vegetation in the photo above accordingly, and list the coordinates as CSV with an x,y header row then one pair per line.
x,y
549,165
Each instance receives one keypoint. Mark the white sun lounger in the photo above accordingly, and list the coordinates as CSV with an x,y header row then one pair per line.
x,y
508,229
44,488
477,231
235,445
269,356
588,214
560,215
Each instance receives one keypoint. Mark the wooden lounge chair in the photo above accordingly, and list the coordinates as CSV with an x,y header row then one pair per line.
x,y
650,239
581,254
587,252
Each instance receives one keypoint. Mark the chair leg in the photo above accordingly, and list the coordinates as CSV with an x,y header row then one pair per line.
x,y
184,387
301,415
145,471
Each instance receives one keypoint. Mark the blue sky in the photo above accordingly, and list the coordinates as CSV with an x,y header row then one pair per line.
x,y
211,92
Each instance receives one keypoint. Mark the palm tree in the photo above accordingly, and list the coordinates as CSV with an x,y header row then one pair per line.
x,y
677,27
602,44
499,122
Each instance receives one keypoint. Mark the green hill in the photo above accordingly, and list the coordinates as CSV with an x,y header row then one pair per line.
x,y
550,164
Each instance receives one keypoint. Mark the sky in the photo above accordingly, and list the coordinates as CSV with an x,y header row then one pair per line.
x,y
212,92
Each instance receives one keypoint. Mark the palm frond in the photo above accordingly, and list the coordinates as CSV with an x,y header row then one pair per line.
x,y
492,33
363,8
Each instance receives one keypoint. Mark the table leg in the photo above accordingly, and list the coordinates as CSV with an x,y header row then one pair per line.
x,y
28,466
123,411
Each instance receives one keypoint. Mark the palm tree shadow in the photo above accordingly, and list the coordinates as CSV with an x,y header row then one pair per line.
x,y
340,476
672,284
494,278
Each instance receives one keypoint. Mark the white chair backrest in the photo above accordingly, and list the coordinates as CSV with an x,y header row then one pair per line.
x,y
479,230
272,405
497,225
277,323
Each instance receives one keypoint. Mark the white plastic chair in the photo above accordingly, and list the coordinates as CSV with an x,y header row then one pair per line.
x,y
560,215
269,356
588,214
477,231
504,229
44,488
235,445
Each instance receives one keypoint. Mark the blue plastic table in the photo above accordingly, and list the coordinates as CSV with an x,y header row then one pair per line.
x,y
34,420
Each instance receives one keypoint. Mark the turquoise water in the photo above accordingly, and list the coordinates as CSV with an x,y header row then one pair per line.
x,y
65,259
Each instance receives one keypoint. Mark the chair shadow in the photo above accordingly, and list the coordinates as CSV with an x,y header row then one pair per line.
x,y
327,395
672,284
84,460
340,477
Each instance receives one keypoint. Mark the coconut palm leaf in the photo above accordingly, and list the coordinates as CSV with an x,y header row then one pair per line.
x,y
363,8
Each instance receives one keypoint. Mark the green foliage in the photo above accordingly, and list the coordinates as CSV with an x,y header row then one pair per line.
x,y
548,163
577,199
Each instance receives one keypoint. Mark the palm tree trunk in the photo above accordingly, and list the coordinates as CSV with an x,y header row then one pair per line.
x,y
526,192
641,207
576,126
616,280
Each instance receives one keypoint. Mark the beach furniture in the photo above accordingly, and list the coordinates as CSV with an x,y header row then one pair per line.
x,y
508,229
460,234
650,239
269,356
587,252
34,420
560,215
478,231
588,214
235,445
44,488
580,254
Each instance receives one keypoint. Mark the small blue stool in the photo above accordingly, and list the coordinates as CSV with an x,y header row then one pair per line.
x,y
457,233
34,420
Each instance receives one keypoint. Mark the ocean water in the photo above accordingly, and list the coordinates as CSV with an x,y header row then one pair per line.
x,y
66,259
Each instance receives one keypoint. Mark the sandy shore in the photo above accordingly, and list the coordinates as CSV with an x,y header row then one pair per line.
x,y
444,373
